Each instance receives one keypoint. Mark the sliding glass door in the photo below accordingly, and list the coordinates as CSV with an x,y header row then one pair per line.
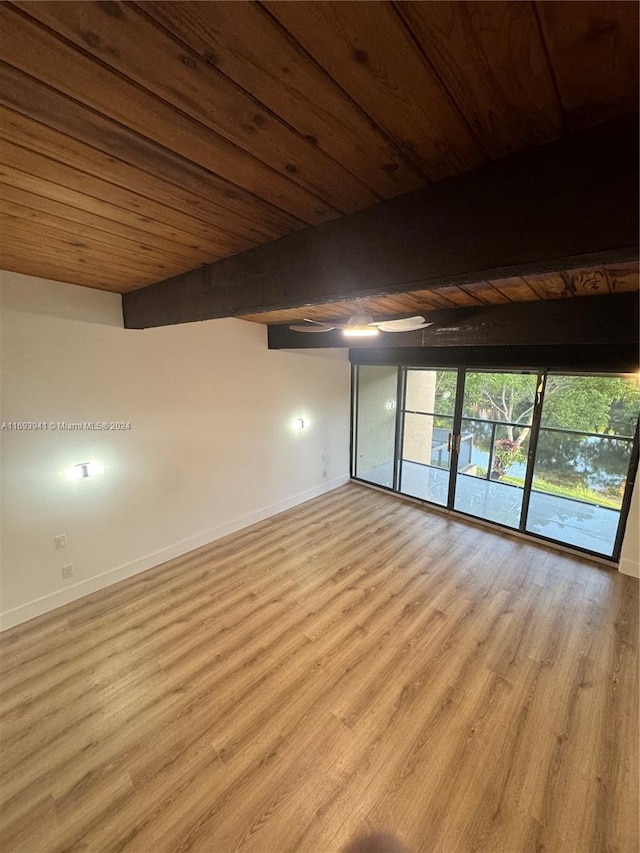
x,y
375,425
546,453
427,434
583,456
497,413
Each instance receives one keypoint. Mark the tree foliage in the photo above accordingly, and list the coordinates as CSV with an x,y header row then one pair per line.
x,y
604,405
601,404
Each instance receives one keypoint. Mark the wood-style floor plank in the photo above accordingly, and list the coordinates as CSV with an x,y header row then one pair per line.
x,y
356,663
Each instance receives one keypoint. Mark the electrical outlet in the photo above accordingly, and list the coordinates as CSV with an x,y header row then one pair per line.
x,y
67,571
60,540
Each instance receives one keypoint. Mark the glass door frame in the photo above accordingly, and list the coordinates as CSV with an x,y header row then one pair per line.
x,y
531,453
542,376
400,424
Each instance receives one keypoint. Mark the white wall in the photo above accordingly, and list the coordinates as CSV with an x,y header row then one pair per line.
x,y
630,557
211,446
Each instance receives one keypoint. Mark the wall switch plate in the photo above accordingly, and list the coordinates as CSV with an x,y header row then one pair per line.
x,y
60,540
67,571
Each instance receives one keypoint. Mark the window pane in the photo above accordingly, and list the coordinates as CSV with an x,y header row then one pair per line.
x,y
432,391
429,405
493,452
585,468
492,461
475,444
426,439
376,424
579,478
602,404
425,457
500,396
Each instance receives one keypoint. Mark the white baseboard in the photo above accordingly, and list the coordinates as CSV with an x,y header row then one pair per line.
x,y
629,567
18,615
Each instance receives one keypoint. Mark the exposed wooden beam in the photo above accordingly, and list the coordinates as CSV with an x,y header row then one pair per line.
x,y
566,204
614,358
565,324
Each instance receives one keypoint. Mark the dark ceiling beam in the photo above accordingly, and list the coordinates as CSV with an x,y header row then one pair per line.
x,y
601,358
585,321
570,203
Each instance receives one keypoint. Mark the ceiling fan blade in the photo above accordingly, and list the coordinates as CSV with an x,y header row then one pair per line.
x,y
405,328
315,328
407,324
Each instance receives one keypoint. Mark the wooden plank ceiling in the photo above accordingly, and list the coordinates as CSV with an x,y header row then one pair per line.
x,y
141,140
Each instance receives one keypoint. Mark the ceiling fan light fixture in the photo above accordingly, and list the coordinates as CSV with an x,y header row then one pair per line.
x,y
360,332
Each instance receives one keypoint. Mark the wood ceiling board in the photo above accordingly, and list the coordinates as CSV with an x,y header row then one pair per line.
x,y
40,174
77,219
52,242
54,236
39,53
56,270
397,304
207,219
118,245
337,310
623,277
81,203
458,296
433,300
492,61
383,304
515,289
113,33
593,48
484,292
587,282
247,45
549,285
407,303
86,272
245,214
578,282
366,49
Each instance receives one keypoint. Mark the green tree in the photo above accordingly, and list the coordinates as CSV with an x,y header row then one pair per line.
x,y
583,403
592,404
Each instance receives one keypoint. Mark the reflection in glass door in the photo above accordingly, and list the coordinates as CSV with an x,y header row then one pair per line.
x,y
375,425
497,415
427,436
582,459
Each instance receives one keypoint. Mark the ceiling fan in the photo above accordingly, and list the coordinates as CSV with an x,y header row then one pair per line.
x,y
364,326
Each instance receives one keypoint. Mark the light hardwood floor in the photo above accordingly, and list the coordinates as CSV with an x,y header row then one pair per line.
x,y
356,663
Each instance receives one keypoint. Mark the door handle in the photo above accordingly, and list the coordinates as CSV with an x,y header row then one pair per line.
x,y
449,442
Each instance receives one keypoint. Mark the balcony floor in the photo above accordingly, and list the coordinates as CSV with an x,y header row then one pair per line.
x,y
563,519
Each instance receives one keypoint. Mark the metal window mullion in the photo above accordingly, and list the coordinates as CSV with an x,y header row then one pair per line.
x,y
401,388
533,449
354,426
457,430
491,449
632,471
